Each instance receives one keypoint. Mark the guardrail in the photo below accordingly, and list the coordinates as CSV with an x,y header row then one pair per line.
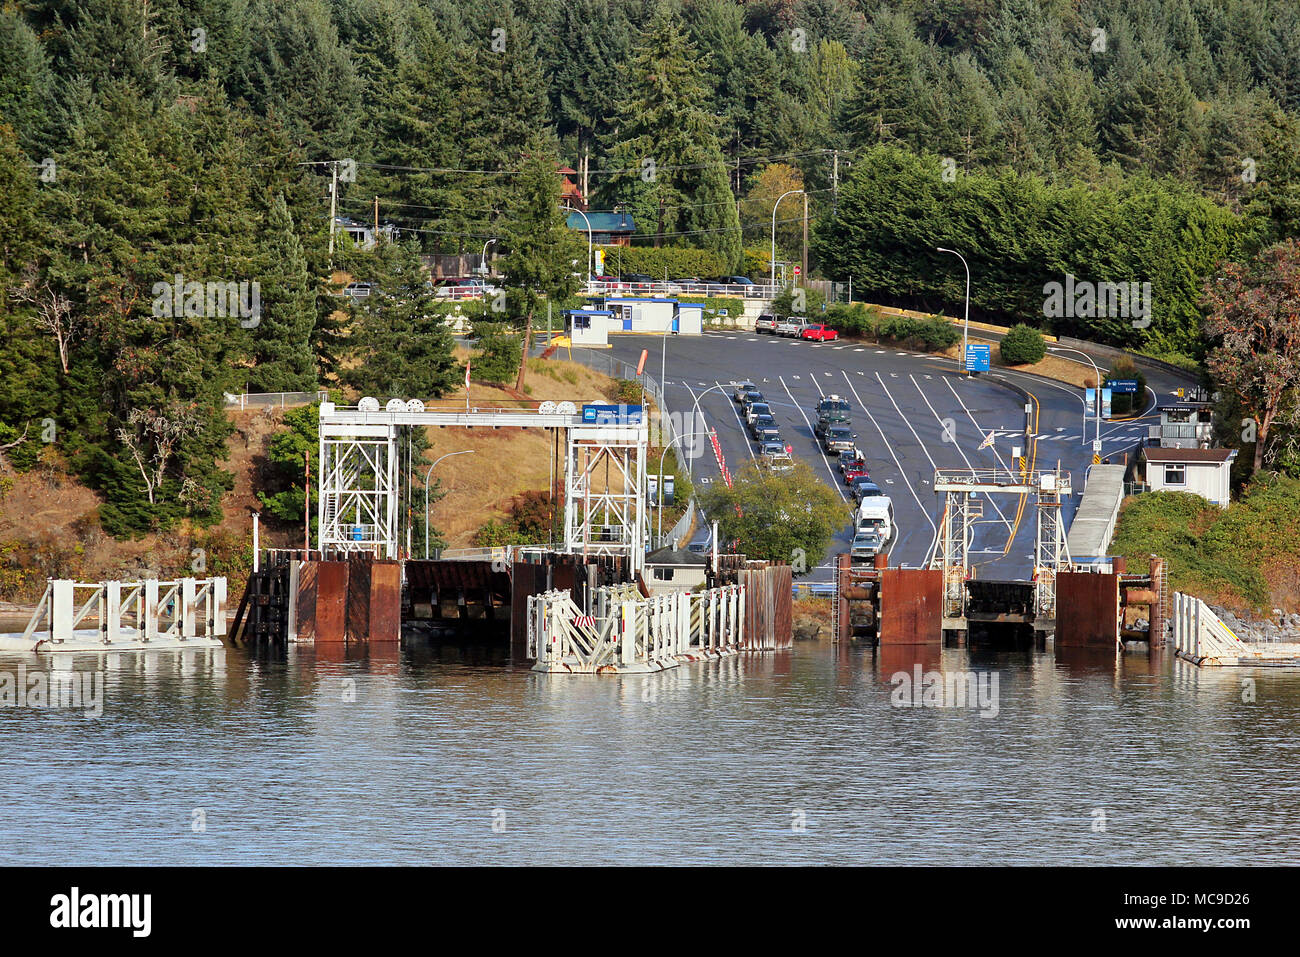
x,y
129,612
280,400
598,287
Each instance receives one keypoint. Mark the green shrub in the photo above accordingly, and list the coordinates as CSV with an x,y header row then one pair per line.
x,y
499,353
626,392
1022,345
670,261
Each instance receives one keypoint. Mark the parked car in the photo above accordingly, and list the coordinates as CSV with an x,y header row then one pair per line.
x,y
756,409
828,419
765,323
833,403
358,290
847,457
775,456
866,545
767,433
741,388
875,511
864,488
855,469
735,281
791,326
760,423
819,332
838,438
750,397
638,277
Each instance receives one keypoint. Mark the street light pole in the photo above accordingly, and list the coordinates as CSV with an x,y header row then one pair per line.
x,y
1096,372
482,262
660,487
690,466
426,495
774,206
586,282
965,329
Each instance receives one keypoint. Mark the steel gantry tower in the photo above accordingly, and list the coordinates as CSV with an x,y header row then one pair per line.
x,y
960,510
360,482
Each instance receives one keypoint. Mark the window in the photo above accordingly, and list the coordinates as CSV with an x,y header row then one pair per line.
x,y
1175,475
581,322
664,574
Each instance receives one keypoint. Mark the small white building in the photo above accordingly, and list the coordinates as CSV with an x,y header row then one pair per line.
x,y
588,327
1203,472
672,570
655,315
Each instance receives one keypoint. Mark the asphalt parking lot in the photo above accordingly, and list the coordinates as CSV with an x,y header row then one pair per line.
x,y
912,413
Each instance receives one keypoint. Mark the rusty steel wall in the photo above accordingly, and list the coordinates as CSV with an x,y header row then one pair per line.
x,y
527,580
385,603
358,610
769,596
306,600
911,606
331,602
1087,610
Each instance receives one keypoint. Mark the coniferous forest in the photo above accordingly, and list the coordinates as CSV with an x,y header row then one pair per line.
x,y
148,142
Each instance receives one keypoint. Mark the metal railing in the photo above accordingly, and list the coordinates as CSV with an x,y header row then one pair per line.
x,y
277,400
707,290
139,611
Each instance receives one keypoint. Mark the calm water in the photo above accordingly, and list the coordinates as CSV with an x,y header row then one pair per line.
x,y
710,763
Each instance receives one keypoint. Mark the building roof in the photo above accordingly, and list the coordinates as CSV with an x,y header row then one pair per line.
x,y
603,222
674,556
1211,456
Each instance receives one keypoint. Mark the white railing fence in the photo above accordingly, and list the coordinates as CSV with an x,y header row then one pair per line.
x,y
130,611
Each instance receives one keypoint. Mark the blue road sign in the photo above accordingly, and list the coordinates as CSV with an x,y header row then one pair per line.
x,y
977,357
1123,385
612,414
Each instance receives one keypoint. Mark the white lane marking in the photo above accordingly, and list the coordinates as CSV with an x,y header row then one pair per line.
x,y
906,421
825,461
890,447
743,430
960,452
690,464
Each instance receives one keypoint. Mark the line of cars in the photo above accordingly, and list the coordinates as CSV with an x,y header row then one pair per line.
x,y
773,453
873,511
794,327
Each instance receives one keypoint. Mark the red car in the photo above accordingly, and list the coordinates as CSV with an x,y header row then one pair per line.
x,y
820,333
856,471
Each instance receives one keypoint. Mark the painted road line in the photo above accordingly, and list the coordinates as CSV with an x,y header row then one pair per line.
x,y
888,445
814,436
744,431
937,418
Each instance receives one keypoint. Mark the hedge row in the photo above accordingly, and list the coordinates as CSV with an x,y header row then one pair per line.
x,y
858,320
672,262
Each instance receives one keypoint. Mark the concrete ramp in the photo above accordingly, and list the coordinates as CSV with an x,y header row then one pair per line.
x,y
1094,520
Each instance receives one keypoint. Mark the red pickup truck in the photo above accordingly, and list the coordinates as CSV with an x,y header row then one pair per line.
x,y
819,332
854,470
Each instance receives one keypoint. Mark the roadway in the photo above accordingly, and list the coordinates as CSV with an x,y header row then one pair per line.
x,y
912,412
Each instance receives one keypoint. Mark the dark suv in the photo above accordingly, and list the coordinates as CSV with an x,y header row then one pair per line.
x,y
838,438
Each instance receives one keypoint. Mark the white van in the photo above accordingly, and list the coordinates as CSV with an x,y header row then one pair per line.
x,y
877,511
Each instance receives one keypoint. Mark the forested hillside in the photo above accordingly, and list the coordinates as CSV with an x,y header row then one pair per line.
x,y
171,142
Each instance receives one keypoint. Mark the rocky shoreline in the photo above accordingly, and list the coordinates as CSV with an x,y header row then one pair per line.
x,y
1280,627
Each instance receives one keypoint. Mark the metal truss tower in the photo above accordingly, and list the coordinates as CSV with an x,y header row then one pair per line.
x,y
359,479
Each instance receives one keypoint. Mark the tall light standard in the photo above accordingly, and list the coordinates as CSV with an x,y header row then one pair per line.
x,y
660,486
965,329
1097,381
426,495
586,282
690,466
774,206
482,261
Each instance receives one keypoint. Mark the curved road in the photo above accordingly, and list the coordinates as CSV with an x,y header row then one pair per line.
x,y
912,413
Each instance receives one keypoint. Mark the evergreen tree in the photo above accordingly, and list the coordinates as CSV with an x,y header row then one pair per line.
x,y
282,353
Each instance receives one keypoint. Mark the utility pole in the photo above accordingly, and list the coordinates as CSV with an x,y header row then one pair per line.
x,y
334,197
376,219
306,503
805,238
835,182
659,236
